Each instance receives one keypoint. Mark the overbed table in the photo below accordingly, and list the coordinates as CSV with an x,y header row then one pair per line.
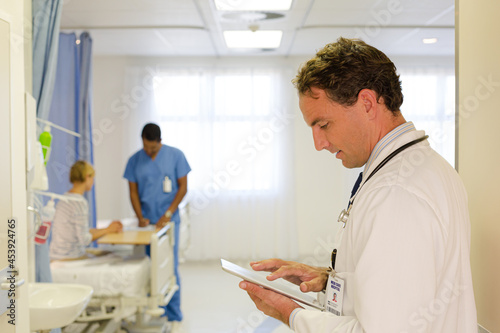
x,y
128,237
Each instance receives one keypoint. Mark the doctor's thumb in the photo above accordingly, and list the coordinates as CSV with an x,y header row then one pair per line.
x,y
304,287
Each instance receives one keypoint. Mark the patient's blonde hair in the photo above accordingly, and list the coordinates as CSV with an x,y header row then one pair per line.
x,y
80,171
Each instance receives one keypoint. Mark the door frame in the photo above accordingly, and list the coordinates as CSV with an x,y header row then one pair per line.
x,y
14,186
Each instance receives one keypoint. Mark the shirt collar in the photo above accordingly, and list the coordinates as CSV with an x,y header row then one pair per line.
x,y
386,141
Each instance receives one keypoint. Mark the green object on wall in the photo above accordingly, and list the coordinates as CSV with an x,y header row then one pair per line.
x,y
45,139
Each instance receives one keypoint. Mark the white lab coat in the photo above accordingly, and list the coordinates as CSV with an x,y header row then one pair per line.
x,y
404,254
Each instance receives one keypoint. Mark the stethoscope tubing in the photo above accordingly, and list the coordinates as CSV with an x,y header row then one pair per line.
x,y
344,214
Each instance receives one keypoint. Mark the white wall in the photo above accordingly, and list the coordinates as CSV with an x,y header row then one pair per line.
x,y
322,183
111,189
478,57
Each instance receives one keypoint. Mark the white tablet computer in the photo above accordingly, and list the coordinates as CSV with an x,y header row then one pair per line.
x,y
277,286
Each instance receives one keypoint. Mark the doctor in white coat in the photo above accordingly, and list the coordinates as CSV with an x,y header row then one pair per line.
x,y
403,262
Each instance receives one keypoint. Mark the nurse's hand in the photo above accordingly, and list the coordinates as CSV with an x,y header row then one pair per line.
x,y
309,278
162,222
143,222
269,302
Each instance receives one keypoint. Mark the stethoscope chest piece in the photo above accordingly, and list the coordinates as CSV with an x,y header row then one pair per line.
x,y
343,217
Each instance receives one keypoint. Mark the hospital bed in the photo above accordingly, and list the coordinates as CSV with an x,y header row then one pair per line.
x,y
128,287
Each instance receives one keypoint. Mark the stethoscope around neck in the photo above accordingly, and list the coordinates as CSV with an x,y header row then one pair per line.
x,y
344,214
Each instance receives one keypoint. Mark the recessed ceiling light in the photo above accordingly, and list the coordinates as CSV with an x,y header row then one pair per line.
x,y
429,40
268,39
253,4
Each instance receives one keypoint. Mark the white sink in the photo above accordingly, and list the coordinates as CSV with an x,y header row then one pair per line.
x,y
54,305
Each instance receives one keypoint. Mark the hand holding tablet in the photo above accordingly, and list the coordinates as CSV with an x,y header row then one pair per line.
x,y
276,286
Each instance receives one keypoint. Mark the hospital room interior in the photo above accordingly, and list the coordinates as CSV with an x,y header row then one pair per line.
x,y
81,79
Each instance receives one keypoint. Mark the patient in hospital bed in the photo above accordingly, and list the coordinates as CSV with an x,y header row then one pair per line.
x,y
70,231
121,282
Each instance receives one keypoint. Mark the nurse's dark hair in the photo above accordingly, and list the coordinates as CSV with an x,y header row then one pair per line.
x,y
151,132
342,69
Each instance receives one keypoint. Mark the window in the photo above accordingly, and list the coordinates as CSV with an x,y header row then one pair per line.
x,y
429,101
235,128
227,124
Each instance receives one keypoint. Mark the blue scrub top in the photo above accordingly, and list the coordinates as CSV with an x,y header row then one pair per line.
x,y
149,175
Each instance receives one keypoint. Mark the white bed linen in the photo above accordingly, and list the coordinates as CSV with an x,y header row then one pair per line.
x,y
109,275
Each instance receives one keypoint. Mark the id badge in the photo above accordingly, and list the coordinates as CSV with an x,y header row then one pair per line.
x,y
167,185
334,295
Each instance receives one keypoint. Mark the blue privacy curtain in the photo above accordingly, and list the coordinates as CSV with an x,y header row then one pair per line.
x,y
46,20
85,149
46,17
71,108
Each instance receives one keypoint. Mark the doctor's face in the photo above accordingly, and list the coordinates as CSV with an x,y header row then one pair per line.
x,y
342,130
151,147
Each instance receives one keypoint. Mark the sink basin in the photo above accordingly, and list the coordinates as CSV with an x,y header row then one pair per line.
x,y
54,305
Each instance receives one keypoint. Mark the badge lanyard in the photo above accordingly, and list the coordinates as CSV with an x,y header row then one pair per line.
x,y
334,293
344,214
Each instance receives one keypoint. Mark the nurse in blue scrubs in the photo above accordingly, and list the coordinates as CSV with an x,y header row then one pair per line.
x,y
157,176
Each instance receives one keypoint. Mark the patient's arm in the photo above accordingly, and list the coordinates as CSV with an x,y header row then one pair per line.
x,y
114,227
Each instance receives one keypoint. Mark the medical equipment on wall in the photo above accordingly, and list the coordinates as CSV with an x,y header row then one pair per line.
x,y
40,180
39,152
43,232
45,140
37,205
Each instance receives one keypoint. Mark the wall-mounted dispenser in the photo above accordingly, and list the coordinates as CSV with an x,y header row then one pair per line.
x,y
45,139
43,231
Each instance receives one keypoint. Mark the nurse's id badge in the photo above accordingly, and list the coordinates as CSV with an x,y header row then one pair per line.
x,y
167,185
334,295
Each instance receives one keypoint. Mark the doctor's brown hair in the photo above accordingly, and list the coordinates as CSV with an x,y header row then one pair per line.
x,y
342,69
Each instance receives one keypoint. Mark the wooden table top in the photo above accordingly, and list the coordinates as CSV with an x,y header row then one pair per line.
x,y
133,237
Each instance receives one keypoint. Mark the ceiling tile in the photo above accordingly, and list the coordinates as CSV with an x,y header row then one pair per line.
x,y
151,42
389,40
